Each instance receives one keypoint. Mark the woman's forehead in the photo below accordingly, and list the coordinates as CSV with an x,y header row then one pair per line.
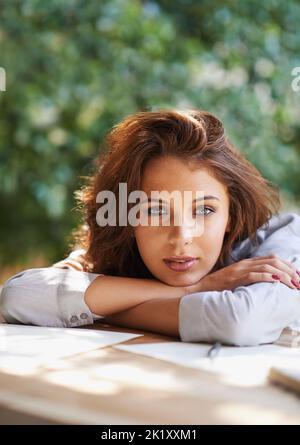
x,y
172,175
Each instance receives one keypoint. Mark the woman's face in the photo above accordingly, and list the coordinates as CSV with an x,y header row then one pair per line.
x,y
204,241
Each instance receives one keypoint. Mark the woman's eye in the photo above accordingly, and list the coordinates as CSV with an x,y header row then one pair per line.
x,y
207,208
154,210
157,210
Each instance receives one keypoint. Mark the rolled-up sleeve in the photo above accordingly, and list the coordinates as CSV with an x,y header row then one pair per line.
x,y
253,314
47,296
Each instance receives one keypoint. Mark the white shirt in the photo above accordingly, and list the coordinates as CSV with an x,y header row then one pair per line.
x,y
248,315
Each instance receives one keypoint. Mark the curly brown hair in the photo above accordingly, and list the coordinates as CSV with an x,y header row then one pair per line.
x,y
194,136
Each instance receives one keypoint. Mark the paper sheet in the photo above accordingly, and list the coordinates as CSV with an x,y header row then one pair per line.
x,y
242,366
24,346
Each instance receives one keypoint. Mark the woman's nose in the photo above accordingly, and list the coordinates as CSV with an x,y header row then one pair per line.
x,y
181,233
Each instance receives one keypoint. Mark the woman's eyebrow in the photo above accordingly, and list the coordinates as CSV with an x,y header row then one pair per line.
x,y
196,199
207,197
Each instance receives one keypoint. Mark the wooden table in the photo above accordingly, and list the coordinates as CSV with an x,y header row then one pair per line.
x,y
110,386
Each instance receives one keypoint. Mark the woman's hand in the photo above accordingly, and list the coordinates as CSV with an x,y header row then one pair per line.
x,y
71,263
249,271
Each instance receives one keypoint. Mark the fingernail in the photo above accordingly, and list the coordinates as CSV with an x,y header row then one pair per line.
x,y
276,277
295,283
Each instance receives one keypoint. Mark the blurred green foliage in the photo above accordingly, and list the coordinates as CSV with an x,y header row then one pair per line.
x,y
75,68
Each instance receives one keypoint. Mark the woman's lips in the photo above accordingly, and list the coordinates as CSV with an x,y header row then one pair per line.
x,y
180,266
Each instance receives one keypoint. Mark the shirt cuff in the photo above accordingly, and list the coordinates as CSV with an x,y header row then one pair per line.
x,y
70,297
191,320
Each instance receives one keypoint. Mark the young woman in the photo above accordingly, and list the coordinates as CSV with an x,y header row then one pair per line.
x,y
232,277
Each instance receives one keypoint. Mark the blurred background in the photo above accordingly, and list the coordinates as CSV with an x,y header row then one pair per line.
x,y
75,68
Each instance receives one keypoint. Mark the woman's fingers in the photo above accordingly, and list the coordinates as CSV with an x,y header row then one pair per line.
x,y
288,263
276,273
254,277
70,264
277,266
279,263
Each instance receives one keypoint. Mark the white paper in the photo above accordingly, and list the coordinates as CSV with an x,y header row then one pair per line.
x,y
237,365
23,346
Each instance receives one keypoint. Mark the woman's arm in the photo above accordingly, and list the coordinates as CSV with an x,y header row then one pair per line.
x,y
250,315
107,295
159,315
59,297
47,296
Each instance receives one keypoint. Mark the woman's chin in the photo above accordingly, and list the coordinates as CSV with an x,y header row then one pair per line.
x,y
179,281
